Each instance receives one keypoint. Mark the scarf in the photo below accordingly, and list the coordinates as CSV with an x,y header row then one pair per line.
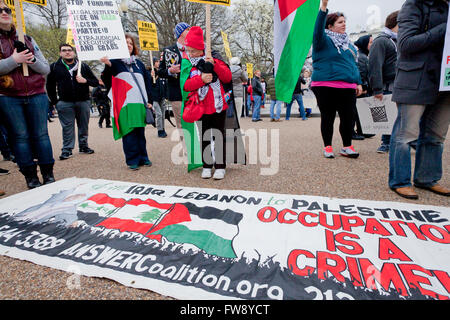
x,y
340,40
215,86
71,70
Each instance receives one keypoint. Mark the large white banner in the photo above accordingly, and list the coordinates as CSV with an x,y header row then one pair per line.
x,y
377,117
193,243
97,29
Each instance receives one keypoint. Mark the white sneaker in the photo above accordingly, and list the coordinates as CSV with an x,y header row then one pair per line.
x,y
206,173
219,174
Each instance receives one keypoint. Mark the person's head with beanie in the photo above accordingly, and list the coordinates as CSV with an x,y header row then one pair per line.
x,y
363,44
194,42
179,31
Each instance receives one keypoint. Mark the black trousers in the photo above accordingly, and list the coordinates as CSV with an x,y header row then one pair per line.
x,y
332,100
213,129
105,114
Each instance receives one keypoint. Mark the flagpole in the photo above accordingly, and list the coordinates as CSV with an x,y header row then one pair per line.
x,y
151,62
20,33
208,30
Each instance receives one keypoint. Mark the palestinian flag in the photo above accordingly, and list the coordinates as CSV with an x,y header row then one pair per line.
x,y
294,22
190,130
128,104
209,229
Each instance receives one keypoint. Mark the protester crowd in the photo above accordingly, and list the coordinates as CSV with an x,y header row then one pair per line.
x,y
403,61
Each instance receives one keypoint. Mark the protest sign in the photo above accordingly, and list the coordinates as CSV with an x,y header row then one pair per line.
x,y
226,45
69,37
445,67
196,243
97,30
377,117
220,2
38,2
250,70
148,36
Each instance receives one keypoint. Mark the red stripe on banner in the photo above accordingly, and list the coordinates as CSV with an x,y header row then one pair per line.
x,y
149,202
102,198
124,225
289,6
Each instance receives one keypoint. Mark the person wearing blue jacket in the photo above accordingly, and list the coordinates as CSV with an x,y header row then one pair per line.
x,y
336,80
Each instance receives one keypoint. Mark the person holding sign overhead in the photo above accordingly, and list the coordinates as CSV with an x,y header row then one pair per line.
x,y
23,102
130,84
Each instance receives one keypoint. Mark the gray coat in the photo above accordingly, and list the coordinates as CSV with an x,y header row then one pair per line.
x,y
382,63
420,46
239,77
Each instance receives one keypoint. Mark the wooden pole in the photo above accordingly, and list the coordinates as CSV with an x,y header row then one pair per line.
x,y
208,30
151,62
20,34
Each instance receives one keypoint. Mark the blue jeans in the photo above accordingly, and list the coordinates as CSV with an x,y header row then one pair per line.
x,y
257,108
135,147
299,98
273,104
429,125
27,120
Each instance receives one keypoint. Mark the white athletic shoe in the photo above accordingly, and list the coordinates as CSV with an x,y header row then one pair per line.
x,y
206,173
219,174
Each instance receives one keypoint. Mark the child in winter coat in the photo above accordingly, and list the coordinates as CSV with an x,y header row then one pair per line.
x,y
207,76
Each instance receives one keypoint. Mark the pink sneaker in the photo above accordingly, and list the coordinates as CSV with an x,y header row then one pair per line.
x,y
328,152
349,152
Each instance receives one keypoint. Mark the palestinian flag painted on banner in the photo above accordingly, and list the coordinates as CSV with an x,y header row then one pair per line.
x,y
209,229
294,22
190,130
128,107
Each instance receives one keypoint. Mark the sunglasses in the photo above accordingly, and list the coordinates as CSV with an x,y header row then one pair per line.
x,y
5,10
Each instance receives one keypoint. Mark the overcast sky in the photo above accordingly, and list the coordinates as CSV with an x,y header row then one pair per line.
x,y
361,13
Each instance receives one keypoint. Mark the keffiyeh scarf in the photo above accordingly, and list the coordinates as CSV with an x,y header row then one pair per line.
x,y
215,86
340,40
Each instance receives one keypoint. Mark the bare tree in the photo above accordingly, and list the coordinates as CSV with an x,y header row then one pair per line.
x,y
54,14
251,33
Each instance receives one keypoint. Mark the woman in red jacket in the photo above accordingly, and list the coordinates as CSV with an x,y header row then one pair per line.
x,y
211,93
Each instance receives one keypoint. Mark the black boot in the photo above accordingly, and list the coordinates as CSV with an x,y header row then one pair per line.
x,y
31,177
47,173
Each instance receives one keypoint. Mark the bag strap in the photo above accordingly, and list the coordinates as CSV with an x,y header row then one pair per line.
x,y
138,85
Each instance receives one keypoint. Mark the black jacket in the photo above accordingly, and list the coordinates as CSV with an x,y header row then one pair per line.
x,y
100,96
171,56
298,86
257,87
382,62
421,36
157,88
68,88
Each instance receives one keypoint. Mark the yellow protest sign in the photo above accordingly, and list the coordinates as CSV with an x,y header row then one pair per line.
x,y
148,36
250,70
10,4
226,45
38,2
221,2
69,37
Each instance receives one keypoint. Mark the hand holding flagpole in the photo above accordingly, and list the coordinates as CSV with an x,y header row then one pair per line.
x,y
20,34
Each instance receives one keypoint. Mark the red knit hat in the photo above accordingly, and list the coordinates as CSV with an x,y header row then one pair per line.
x,y
194,38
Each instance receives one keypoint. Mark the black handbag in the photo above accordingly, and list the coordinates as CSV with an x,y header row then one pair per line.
x,y
149,116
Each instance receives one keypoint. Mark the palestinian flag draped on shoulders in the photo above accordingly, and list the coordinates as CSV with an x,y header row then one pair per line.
x,y
128,105
294,22
190,130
